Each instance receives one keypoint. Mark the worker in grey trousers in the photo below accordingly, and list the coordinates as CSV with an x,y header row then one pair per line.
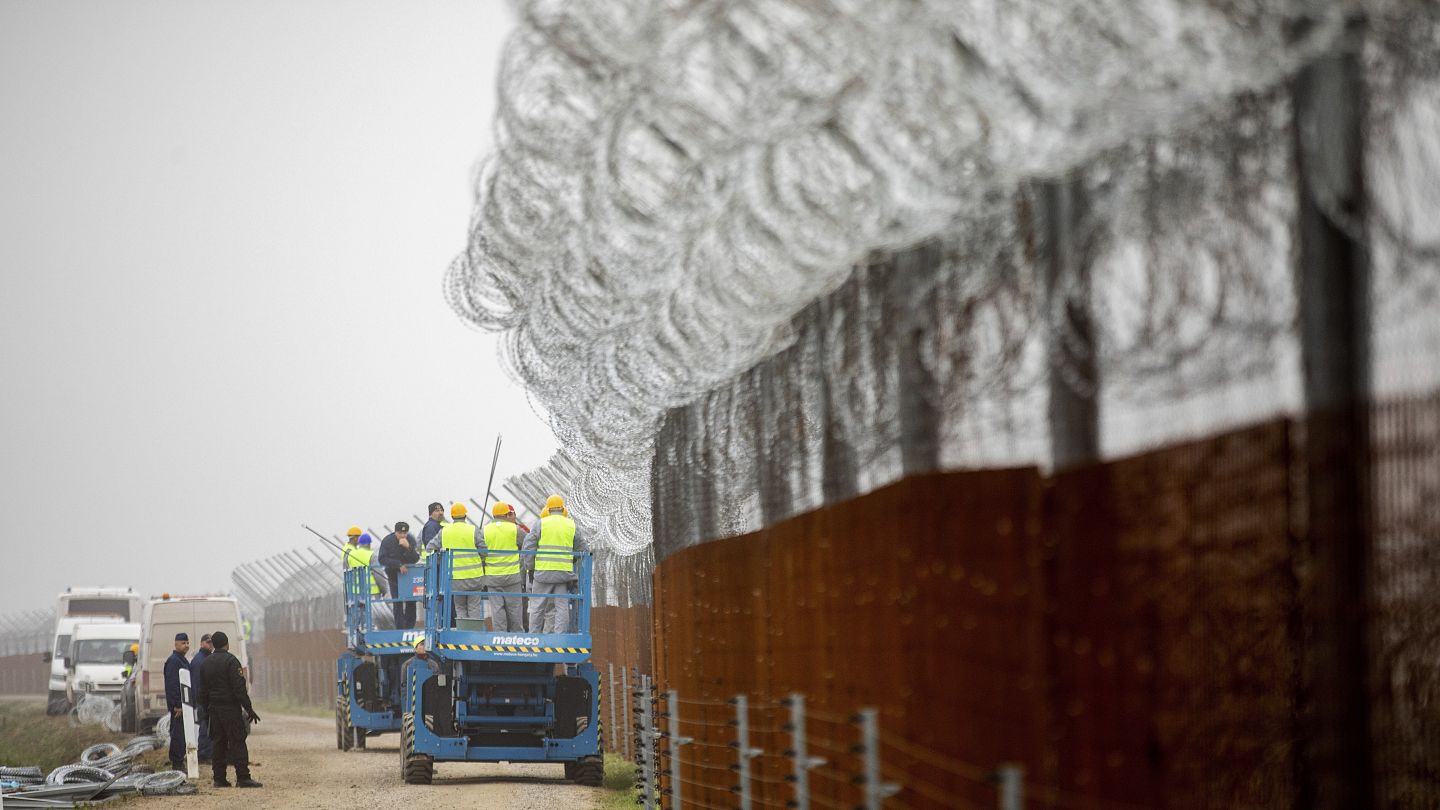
x,y
556,538
503,572
461,540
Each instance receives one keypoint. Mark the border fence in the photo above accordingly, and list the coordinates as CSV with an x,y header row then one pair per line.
x,y
24,638
1158,286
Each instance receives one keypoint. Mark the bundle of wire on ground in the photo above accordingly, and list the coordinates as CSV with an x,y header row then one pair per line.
x,y
104,771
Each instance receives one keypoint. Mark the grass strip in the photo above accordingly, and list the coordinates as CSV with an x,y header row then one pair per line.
x,y
30,737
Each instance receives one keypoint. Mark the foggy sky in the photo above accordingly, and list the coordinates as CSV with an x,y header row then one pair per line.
x,y
223,229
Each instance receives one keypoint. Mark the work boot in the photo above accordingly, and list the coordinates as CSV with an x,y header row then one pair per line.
x,y
222,783
247,782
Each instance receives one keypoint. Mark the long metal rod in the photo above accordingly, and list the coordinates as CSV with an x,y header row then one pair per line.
x,y
491,481
338,547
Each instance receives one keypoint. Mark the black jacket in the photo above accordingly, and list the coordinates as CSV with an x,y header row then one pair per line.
x,y
392,556
173,665
222,683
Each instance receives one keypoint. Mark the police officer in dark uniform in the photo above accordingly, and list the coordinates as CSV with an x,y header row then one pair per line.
x,y
202,732
226,702
173,665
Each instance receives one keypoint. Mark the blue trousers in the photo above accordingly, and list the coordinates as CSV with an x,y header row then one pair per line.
x,y
177,742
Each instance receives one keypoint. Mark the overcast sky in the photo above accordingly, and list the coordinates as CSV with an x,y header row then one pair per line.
x,y
223,229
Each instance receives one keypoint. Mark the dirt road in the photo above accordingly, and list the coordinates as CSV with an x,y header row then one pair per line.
x,y
301,768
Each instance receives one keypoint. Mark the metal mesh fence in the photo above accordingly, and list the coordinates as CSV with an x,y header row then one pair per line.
x,y
756,259
29,632
295,591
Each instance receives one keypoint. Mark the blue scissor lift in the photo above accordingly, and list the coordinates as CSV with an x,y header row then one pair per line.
x,y
502,696
367,692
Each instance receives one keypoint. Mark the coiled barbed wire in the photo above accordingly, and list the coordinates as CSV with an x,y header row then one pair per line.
x,y
674,182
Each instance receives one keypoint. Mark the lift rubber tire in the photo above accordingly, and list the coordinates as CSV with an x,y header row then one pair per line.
x,y
415,769
342,736
570,770
359,738
590,771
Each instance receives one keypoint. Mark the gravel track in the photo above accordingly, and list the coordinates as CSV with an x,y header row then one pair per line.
x,y
301,768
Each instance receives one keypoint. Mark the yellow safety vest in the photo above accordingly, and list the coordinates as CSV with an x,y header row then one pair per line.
x,y
557,535
358,557
502,535
460,537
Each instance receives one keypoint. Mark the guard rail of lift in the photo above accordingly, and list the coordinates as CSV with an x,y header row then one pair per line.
x,y
430,585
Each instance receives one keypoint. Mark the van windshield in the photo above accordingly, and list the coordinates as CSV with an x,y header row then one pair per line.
x,y
79,606
102,650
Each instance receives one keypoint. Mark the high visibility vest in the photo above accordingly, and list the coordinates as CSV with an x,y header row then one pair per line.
x,y
359,557
557,535
501,536
460,536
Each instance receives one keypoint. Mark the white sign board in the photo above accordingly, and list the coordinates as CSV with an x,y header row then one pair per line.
x,y
192,732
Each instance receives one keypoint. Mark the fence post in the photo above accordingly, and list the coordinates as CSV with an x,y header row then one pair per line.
x,y
676,741
743,752
876,790
803,762
646,749
1335,320
625,701
614,729
1012,786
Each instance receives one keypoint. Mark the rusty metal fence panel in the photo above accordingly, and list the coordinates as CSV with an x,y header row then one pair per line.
x,y
1131,632
1405,613
921,599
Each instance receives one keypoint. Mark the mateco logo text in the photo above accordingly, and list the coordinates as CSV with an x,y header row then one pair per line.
x,y
528,641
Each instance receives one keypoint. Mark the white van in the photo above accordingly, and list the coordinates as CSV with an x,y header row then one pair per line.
x,y
95,663
121,602
143,700
57,700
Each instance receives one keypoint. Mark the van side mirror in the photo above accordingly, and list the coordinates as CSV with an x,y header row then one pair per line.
x,y
69,664
47,657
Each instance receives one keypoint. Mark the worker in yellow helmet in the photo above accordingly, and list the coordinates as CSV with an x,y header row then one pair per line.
x,y
503,574
130,657
461,539
353,533
421,658
556,538
359,557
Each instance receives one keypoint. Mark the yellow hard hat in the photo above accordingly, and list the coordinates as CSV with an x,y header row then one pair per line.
x,y
134,648
420,639
354,531
554,502
457,510
501,509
